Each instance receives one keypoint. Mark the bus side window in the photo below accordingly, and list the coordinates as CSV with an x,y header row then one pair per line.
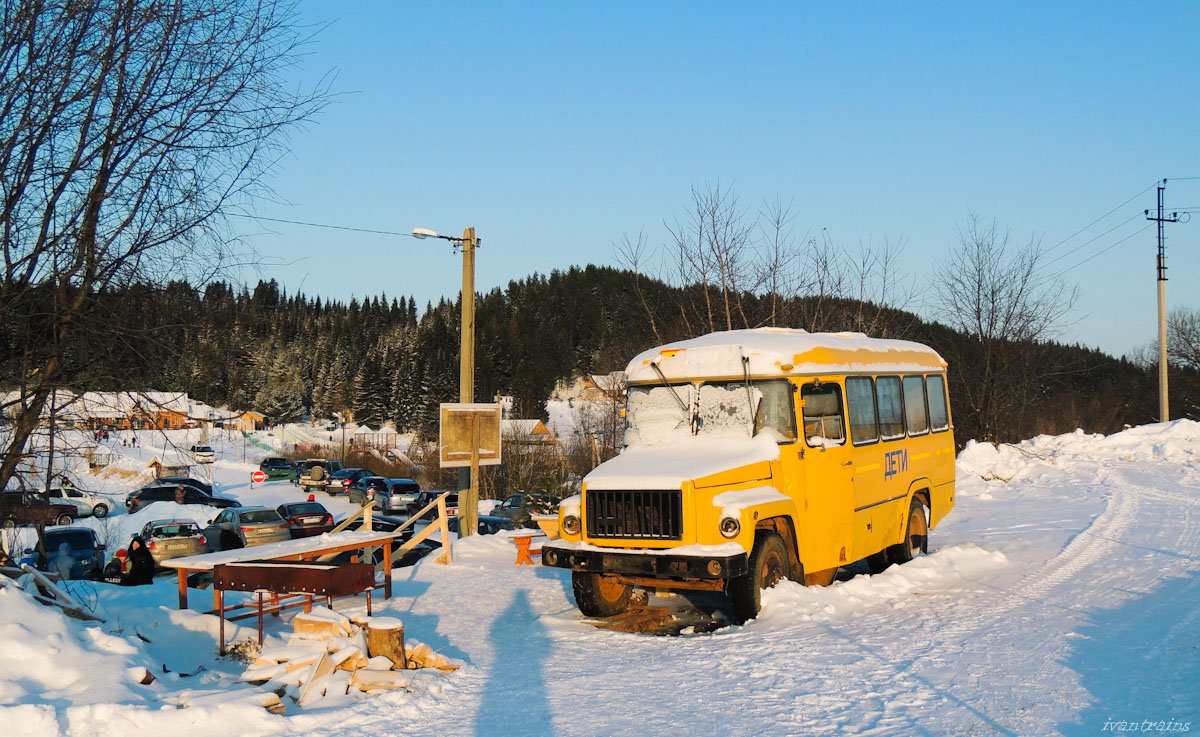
x,y
823,425
914,405
939,417
860,400
891,408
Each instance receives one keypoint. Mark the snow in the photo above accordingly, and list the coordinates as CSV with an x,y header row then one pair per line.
x,y
731,503
668,466
777,352
1060,597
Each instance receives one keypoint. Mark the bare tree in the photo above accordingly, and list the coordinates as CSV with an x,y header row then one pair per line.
x,y
713,251
128,129
1183,337
994,291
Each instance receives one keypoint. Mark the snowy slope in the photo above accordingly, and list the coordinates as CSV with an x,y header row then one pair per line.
x,y
1063,593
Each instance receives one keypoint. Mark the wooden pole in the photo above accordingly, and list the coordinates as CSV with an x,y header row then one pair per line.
x,y
468,507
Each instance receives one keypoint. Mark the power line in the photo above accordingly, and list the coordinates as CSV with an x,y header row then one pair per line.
x,y
1093,240
1102,251
1110,212
324,225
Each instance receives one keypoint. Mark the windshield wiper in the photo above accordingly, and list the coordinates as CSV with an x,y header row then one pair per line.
x,y
749,390
667,384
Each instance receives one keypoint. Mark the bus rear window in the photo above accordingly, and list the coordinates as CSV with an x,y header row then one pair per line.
x,y
939,417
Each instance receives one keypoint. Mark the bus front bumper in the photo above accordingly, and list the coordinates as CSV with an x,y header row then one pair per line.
x,y
652,564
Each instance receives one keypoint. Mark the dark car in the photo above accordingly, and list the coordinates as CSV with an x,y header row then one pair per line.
x,y
196,484
388,495
276,467
488,525
306,519
30,508
341,481
86,550
426,497
516,507
157,493
384,523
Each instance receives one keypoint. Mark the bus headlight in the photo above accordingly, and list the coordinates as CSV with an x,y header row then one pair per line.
x,y
730,527
571,524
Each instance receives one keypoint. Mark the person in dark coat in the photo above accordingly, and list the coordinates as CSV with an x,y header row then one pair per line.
x,y
141,563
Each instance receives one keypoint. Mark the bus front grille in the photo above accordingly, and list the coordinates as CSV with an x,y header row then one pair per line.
x,y
649,515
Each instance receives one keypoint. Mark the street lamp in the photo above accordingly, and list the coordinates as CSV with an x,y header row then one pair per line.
x,y
466,366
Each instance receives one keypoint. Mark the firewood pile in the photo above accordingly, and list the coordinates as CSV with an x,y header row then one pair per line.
x,y
330,657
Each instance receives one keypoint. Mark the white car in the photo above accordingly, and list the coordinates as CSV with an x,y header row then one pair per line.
x,y
202,454
88,504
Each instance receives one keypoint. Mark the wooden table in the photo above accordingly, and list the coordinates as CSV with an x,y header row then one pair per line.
x,y
304,548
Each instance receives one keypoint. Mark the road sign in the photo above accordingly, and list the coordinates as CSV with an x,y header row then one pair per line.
x,y
467,429
258,477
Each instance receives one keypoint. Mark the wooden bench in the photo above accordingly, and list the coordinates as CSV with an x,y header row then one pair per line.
x,y
524,554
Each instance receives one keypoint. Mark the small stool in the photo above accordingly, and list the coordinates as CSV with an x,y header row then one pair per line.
x,y
524,554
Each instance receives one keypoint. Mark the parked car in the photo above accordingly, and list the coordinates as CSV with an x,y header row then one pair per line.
x,y
341,481
157,493
276,467
31,508
173,538
97,506
316,473
86,551
518,508
488,525
306,519
425,497
385,523
201,486
202,454
388,495
243,527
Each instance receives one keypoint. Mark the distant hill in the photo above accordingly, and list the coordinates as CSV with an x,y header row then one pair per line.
x,y
384,359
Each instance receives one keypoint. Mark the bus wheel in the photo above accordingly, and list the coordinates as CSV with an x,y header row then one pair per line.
x,y
768,565
916,535
599,596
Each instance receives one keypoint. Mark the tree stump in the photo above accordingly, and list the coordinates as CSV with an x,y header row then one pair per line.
x,y
385,636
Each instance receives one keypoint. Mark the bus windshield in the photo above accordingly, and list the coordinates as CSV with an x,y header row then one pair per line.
x,y
724,409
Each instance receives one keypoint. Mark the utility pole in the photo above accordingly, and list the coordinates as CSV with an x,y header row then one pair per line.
x,y
1163,411
468,489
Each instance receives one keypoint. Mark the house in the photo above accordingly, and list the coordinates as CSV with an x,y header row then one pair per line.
x,y
604,387
249,421
526,432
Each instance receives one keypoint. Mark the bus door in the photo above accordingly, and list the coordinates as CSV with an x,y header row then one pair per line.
x,y
828,477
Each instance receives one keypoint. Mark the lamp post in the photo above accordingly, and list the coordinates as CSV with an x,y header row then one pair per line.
x,y
466,366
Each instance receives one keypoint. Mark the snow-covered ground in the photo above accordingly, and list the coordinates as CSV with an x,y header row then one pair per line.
x,y
1062,596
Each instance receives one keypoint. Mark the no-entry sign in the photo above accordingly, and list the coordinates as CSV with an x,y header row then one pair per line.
x,y
258,477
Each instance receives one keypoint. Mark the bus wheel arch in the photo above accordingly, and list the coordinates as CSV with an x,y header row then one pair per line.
x,y
786,530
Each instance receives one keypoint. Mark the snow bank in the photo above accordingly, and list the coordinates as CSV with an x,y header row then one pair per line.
x,y
1176,442
946,569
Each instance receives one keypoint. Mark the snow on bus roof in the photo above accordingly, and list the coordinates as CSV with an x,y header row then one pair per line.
x,y
781,352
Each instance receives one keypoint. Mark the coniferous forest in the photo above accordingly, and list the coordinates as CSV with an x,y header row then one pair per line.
x,y
387,359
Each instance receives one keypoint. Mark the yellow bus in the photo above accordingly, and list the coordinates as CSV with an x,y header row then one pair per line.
x,y
756,455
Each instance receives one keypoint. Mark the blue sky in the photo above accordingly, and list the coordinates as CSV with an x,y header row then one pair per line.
x,y
554,129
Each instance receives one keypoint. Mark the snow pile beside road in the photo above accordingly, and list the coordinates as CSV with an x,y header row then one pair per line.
x,y
1175,442
955,569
